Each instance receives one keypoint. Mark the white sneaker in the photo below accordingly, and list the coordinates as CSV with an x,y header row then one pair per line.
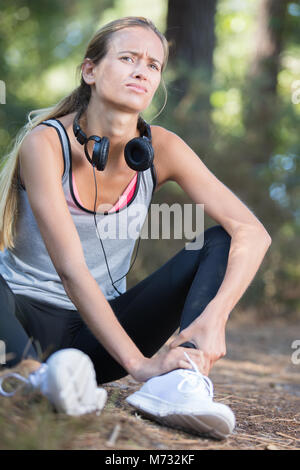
x,y
68,380
183,399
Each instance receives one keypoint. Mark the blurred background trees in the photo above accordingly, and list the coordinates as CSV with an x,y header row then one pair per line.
x,y
233,84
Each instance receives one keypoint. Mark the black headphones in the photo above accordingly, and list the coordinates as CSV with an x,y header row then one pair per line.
x,y
139,156
138,152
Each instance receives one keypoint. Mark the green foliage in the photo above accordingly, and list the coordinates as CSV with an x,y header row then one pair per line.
x,y
42,43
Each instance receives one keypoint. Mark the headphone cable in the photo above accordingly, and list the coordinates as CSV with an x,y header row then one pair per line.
x,y
113,282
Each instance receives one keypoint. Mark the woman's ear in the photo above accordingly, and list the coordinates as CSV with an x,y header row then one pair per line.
x,y
88,71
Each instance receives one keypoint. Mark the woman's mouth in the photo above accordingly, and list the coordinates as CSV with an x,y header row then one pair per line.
x,y
137,88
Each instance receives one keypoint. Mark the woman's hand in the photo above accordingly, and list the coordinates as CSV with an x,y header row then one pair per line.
x,y
165,361
207,332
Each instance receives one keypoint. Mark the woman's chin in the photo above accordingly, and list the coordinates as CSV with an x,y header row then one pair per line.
x,y
132,106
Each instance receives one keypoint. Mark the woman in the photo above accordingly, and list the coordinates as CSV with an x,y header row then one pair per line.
x,y
68,292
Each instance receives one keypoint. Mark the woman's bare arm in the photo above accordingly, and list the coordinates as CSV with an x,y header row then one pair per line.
x,y
249,238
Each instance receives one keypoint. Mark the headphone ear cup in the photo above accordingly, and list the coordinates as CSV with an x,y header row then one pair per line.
x,y
100,153
139,153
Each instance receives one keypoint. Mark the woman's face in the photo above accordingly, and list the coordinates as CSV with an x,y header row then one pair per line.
x,y
129,75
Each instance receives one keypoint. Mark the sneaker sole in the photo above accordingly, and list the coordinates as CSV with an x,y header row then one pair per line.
x,y
200,422
70,378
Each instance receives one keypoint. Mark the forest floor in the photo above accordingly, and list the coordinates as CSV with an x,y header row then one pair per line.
x,y
257,379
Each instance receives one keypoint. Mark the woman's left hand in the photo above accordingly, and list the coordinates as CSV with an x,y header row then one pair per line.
x,y
207,332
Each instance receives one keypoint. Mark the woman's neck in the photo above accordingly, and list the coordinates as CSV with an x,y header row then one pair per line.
x,y
112,123
117,126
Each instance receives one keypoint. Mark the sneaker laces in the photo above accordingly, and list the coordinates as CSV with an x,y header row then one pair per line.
x,y
35,379
197,381
7,376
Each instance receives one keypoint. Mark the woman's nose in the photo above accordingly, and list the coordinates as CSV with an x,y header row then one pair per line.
x,y
140,72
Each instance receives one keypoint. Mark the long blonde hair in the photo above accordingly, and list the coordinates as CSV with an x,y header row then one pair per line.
x,y
77,99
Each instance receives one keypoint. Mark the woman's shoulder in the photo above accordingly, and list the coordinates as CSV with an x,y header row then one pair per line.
x,y
160,134
164,142
42,134
36,144
48,132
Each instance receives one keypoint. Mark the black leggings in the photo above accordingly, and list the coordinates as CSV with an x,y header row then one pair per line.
x,y
150,312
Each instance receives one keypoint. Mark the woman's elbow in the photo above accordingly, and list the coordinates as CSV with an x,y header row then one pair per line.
x,y
265,238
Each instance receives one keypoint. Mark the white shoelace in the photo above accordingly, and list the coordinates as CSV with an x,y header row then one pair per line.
x,y
197,381
6,376
34,379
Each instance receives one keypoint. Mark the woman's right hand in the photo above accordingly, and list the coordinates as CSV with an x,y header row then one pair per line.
x,y
167,361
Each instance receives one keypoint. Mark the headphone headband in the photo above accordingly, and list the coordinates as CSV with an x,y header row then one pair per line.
x,y
78,132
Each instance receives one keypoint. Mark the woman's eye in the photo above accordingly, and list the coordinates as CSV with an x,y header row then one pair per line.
x,y
126,57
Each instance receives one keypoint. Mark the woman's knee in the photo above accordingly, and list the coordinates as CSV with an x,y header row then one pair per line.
x,y
216,235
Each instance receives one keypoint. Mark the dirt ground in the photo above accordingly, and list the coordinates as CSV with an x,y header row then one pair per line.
x,y
256,378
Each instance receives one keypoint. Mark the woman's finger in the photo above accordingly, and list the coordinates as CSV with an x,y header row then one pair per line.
x,y
177,359
201,360
195,355
183,364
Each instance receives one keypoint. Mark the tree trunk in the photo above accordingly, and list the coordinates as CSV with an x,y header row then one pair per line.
x,y
190,28
269,35
190,31
261,105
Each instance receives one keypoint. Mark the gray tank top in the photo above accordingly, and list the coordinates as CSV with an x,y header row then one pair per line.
x,y
28,268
